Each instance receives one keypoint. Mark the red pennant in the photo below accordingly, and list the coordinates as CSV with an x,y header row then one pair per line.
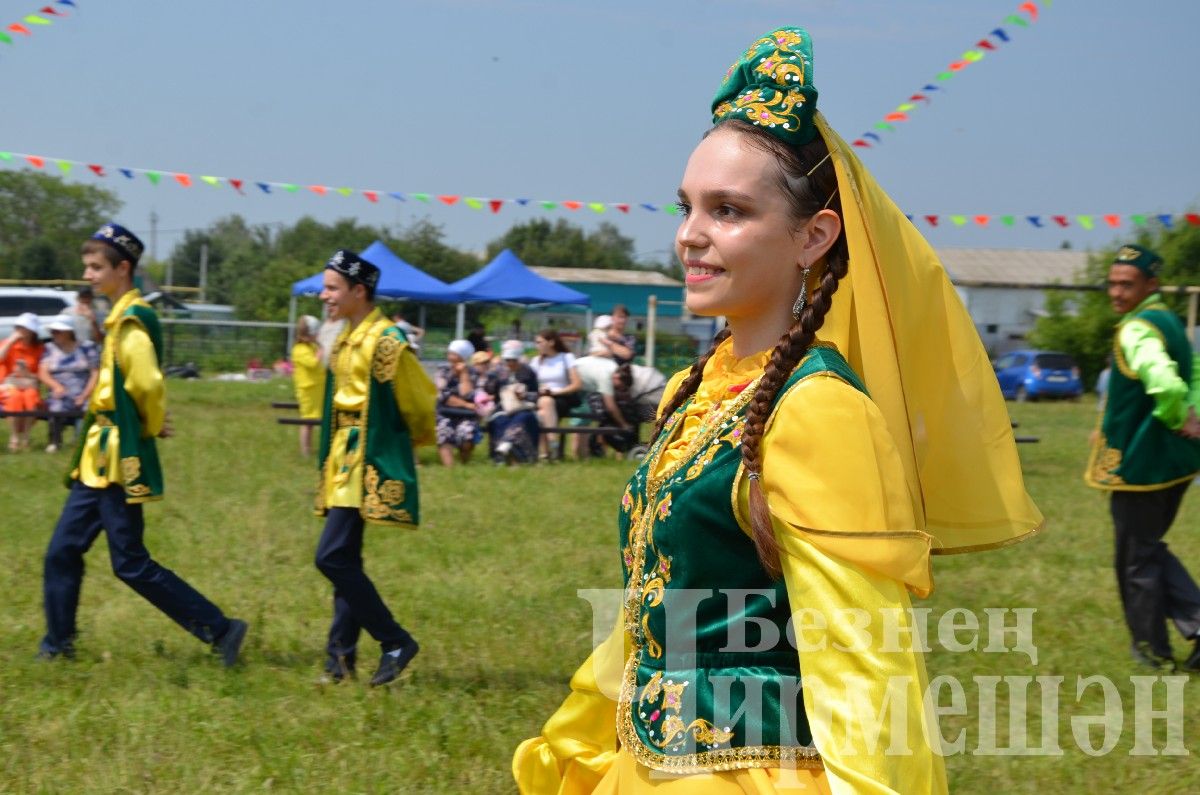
x,y
1031,9
1193,219
371,195
1061,220
35,161
622,207
184,180
447,200
495,204
896,116
862,143
17,27
572,205
320,190
918,98
1112,220
958,66
97,170
932,219
237,184
982,220
984,44
51,11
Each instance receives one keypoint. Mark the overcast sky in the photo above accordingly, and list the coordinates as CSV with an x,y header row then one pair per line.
x,y
1091,109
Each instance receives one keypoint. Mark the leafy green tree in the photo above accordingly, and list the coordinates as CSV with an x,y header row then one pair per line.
x,y
42,222
564,245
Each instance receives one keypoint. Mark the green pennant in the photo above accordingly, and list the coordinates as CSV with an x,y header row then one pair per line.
x,y
945,75
214,181
1016,20
1085,221
671,209
290,187
548,205
905,108
421,197
4,37
1007,220
345,191
34,19
5,155
473,203
1138,220
883,125
597,207
64,166
959,220
153,176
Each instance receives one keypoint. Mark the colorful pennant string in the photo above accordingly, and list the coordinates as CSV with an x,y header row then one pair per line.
x,y
25,26
1087,221
973,55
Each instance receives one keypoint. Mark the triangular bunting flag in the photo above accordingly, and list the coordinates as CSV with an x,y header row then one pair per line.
x,y
473,203
548,205
35,161
1085,221
214,181
570,204
371,196
34,19
126,172
1193,219
447,199
1137,219
398,196
96,169
320,190
932,219
958,220
1112,220
495,204
153,176
982,220
184,180
1007,220
597,207
64,166
623,208
1165,220
1036,220
1061,220
237,185
421,197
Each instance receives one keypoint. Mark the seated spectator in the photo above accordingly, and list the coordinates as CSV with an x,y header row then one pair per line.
x,y
20,355
513,427
478,338
596,372
69,367
458,419
638,391
558,382
621,346
308,377
83,317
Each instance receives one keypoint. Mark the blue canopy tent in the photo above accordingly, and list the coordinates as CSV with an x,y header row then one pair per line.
x,y
508,280
397,279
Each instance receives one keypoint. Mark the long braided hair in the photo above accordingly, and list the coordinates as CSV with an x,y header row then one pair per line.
x,y
807,193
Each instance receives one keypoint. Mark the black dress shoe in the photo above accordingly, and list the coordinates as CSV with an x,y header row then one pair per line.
x,y
1192,663
230,644
392,663
1143,655
337,669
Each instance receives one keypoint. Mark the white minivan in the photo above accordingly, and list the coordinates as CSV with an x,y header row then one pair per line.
x,y
44,302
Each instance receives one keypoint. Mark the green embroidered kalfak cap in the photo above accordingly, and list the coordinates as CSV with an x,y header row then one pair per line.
x,y
1141,258
771,86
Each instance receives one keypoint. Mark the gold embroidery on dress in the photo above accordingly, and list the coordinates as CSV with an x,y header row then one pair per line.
x,y
380,495
1105,464
383,363
131,468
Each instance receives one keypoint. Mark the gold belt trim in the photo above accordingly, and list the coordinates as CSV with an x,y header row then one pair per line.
x,y
103,421
347,419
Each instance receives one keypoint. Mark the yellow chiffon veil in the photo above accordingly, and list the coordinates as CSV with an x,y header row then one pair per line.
x,y
900,324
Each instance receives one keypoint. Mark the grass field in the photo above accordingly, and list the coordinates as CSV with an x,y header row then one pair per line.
x,y
488,586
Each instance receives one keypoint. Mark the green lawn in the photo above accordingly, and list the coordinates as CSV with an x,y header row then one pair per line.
x,y
488,587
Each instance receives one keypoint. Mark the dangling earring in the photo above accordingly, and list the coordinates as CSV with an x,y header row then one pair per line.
x,y
801,299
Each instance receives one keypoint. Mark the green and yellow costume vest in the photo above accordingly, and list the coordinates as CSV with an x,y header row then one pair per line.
x,y
389,466
1136,451
705,686
141,471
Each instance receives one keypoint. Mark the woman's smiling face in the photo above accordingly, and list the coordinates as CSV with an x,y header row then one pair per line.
x,y
739,243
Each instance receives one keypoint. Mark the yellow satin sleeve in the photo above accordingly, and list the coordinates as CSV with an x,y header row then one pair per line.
x,y
143,382
853,667
832,474
416,396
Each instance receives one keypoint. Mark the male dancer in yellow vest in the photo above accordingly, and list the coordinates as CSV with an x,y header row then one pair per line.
x,y
379,405
116,466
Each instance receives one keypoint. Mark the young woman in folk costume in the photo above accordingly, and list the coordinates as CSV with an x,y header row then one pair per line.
x,y
843,427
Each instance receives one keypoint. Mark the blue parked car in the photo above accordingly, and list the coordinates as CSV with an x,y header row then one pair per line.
x,y
1032,375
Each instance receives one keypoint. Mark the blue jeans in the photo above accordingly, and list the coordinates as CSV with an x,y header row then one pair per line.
x,y
356,603
87,512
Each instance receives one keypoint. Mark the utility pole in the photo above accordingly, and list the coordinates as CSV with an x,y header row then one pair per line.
x,y
154,245
203,271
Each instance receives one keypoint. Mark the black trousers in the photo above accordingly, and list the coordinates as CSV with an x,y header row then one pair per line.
x,y
1153,584
87,512
356,603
